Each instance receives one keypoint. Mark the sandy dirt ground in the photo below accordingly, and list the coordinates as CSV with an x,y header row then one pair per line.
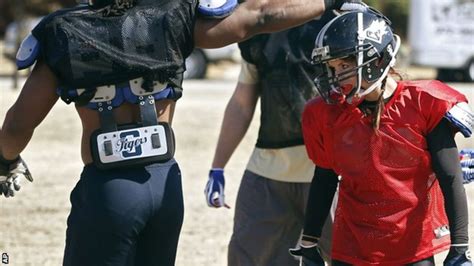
x,y
32,225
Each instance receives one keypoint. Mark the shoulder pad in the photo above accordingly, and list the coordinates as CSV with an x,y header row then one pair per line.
x,y
216,8
461,116
28,52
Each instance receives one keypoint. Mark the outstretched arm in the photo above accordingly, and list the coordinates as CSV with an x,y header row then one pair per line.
x,y
256,16
35,101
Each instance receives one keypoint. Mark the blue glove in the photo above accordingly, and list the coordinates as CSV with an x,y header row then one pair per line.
x,y
458,256
214,191
466,154
467,165
307,255
468,175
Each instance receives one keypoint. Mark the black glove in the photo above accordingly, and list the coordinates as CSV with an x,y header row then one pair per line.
x,y
458,256
10,173
307,255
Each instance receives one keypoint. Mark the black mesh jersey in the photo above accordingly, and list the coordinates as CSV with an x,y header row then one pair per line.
x,y
86,48
286,76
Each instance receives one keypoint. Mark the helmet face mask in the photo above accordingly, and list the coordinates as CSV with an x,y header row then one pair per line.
x,y
328,81
364,37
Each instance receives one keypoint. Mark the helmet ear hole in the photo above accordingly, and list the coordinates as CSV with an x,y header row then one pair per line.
x,y
369,72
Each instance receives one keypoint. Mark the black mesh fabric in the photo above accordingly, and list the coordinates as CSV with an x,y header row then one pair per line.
x,y
85,48
286,76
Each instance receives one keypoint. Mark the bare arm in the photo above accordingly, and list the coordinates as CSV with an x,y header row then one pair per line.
x,y
36,99
254,17
237,118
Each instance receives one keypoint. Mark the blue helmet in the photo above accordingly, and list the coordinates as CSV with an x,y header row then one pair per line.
x,y
364,36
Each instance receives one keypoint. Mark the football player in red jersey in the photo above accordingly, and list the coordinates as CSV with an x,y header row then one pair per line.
x,y
121,62
401,197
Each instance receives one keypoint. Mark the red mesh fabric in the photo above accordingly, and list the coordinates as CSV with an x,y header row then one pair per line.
x,y
390,203
391,200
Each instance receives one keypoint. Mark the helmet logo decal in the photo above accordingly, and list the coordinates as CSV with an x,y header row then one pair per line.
x,y
376,31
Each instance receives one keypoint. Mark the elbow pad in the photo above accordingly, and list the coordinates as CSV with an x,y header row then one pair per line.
x,y
28,52
462,117
216,8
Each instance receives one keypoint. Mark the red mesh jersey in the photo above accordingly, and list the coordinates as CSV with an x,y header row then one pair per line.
x,y
390,202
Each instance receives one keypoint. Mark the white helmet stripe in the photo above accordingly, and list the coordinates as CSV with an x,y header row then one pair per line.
x,y
360,58
319,39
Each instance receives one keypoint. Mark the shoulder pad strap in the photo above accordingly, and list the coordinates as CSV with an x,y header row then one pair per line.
x,y
216,8
462,117
28,52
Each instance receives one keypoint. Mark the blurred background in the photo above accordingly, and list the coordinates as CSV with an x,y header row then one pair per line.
x,y
438,42
438,37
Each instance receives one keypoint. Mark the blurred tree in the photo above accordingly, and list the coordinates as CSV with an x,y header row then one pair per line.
x,y
5,16
18,17
396,10
11,10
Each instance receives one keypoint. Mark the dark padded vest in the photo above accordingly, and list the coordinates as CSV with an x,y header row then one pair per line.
x,y
286,76
86,49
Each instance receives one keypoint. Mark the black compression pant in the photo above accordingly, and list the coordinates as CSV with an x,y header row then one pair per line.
x,y
125,217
